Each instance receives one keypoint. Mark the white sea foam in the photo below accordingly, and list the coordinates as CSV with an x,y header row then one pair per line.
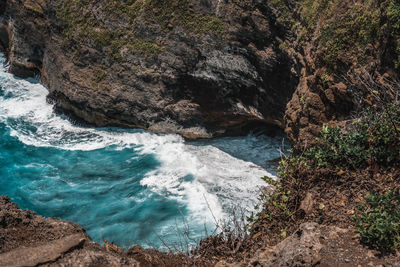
x,y
207,175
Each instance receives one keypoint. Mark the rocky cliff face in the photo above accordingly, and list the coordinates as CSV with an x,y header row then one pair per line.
x,y
197,68
206,68
350,58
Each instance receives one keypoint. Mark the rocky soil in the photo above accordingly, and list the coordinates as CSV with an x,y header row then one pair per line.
x,y
27,239
317,245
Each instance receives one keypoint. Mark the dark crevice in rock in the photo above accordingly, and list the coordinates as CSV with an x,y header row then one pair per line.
x,y
24,71
3,5
4,38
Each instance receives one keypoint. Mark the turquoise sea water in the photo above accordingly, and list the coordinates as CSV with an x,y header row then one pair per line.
x,y
124,186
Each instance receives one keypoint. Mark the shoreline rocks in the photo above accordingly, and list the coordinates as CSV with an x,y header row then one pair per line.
x,y
27,239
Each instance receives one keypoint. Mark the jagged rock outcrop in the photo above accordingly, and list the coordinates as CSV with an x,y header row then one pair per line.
x,y
314,244
27,239
301,249
197,68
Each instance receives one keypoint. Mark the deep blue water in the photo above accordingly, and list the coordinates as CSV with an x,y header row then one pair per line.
x,y
121,185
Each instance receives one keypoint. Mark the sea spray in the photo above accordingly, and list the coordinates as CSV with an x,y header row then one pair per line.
x,y
121,185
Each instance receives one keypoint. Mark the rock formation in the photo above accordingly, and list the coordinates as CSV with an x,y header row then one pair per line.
x,y
197,68
27,239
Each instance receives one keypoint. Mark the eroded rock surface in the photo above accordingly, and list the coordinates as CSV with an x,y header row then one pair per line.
x,y
300,249
23,228
27,239
197,68
49,252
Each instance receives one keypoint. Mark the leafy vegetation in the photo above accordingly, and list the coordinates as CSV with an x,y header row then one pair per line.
x,y
285,11
101,74
347,35
372,141
311,11
145,47
379,221
343,29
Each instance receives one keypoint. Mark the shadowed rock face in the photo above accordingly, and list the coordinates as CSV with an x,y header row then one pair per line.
x,y
209,69
3,7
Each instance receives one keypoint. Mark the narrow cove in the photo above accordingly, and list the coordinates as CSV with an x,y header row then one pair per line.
x,y
124,186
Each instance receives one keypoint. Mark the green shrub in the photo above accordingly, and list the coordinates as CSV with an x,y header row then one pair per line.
x,y
347,35
379,221
393,14
100,75
312,11
373,140
278,205
341,150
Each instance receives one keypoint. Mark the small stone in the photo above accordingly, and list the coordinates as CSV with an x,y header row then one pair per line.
x,y
350,212
307,204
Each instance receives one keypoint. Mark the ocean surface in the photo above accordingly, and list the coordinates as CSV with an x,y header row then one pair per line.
x,y
123,186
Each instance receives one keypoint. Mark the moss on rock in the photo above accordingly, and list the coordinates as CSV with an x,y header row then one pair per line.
x,y
111,25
